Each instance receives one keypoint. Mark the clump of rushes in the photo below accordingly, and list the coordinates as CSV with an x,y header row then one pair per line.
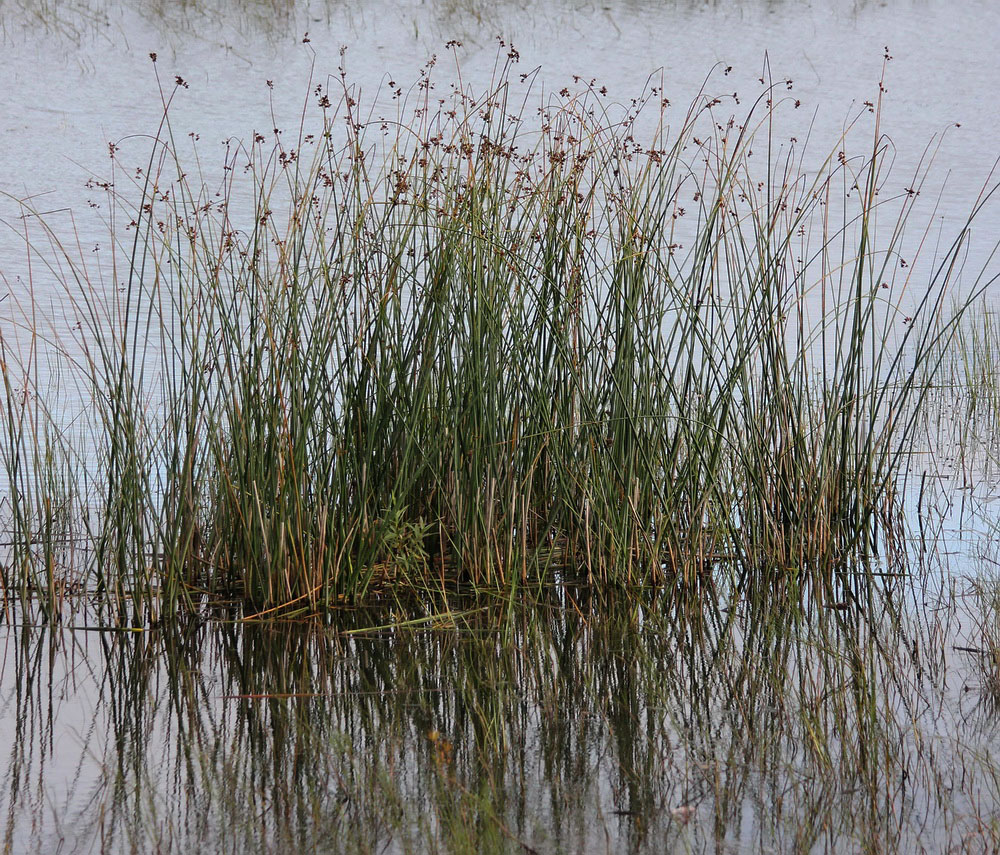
x,y
494,347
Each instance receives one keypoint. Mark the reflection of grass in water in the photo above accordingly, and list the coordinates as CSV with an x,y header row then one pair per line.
x,y
983,649
786,729
276,19
78,20
963,406
482,346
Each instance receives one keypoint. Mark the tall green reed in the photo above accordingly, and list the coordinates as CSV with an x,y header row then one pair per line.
x,y
491,347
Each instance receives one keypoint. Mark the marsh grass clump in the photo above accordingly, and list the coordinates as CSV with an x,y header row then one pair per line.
x,y
488,346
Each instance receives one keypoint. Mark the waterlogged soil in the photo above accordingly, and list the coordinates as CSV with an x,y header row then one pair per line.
x,y
742,716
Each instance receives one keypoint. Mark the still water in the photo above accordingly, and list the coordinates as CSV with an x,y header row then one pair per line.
x,y
78,76
865,724
554,729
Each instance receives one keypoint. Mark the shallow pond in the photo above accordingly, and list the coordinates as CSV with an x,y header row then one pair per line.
x,y
732,718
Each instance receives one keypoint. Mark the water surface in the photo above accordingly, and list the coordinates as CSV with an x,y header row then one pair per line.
x,y
745,721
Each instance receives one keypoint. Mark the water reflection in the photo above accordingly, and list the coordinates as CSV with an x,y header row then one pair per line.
x,y
544,730
280,19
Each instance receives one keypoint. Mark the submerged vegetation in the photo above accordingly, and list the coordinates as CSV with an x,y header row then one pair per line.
x,y
480,346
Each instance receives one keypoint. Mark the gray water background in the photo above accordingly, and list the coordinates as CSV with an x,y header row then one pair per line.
x,y
78,76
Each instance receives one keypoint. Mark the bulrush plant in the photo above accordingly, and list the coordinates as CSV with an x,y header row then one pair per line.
x,y
495,347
